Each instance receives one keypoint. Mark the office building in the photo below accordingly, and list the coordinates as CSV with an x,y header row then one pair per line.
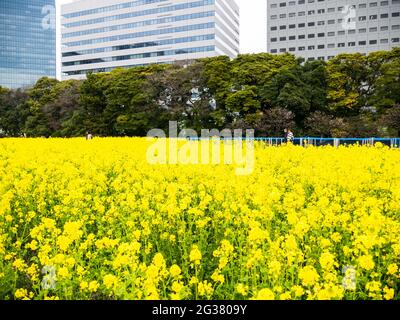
x,y
27,42
322,29
101,35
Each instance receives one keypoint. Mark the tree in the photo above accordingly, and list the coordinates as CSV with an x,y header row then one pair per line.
x,y
324,125
14,111
301,89
386,93
274,121
92,102
391,119
40,94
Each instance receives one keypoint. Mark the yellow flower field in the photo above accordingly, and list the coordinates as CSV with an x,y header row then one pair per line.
x,y
93,220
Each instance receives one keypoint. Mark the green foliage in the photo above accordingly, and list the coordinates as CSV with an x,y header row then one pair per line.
x,y
350,94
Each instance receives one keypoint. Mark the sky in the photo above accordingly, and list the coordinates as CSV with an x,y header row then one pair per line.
x,y
252,26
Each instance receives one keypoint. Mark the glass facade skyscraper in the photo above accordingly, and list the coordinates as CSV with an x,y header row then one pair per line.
x,y
27,41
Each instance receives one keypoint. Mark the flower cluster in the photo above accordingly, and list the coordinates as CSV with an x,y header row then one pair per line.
x,y
95,220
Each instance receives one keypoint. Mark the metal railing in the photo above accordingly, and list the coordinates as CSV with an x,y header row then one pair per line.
x,y
317,142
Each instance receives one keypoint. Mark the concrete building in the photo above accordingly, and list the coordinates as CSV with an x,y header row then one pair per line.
x,y
27,42
322,29
101,35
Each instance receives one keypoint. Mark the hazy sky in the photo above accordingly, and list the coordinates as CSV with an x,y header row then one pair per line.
x,y
253,25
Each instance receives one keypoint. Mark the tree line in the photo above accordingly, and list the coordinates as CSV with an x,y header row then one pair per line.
x,y
351,95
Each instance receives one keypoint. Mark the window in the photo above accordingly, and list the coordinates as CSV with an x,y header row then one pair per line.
x,y
362,5
384,3
362,18
351,44
292,26
311,35
274,51
282,39
282,27
331,33
301,25
282,16
282,4
330,57
302,48
396,27
274,28
320,35
362,30
321,46
320,11
292,14
301,13
362,43
384,15
311,47
274,16
302,1
373,41
331,21
373,4
311,24
340,9
321,23
384,41
292,49
341,32
311,12
331,45
396,14
292,37
292,3
373,29
373,17
274,5
341,45
302,36
282,50
321,58
384,28
311,59
395,40
331,10
273,39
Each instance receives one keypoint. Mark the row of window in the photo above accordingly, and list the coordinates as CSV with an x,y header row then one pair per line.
x,y
141,45
138,56
142,55
109,69
141,24
339,45
360,6
319,23
111,8
142,34
312,12
160,10
343,32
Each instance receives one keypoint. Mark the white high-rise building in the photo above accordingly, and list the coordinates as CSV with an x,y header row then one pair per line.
x,y
322,29
101,35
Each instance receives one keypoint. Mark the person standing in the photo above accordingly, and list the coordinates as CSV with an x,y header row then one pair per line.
x,y
289,136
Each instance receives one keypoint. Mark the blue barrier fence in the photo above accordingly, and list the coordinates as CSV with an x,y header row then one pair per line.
x,y
304,141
